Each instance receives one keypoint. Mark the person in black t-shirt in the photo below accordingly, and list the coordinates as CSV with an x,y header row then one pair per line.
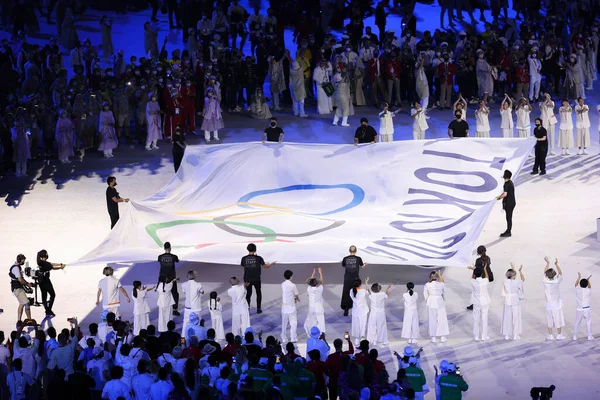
x,y
179,146
167,268
365,133
541,148
112,200
273,133
352,265
252,265
45,284
508,202
458,127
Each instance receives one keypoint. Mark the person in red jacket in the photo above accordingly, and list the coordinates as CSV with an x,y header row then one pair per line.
x,y
393,67
167,100
446,72
522,78
334,363
188,101
319,369
375,72
177,112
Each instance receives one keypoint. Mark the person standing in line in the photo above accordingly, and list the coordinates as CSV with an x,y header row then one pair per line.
x,y
508,202
523,121
240,315
108,136
420,125
216,315
541,148
582,126
252,265
165,301
141,309
193,297
273,133
377,325
512,291
297,87
410,322
507,125
20,146
64,137
316,312
153,125
321,76
167,262
565,138
212,119
352,265
483,262
179,146
109,288
548,120
459,127
289,316
554,312
583,294
341,97
365,133
436,305
112,200
386,124
482,121
44,282
360,310
480,298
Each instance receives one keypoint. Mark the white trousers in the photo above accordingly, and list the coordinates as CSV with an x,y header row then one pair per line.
x,y
151,143
207,135
290,319
511,320
523,133
580,315
387,138
165,314
438,322
482,134
507,133
140,321
359,324
550,131
298,107
418,134
583,137
534,88
377,329
480,321
240,321
315,318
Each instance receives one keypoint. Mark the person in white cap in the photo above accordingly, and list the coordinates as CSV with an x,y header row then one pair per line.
x,y
512,291
407,353
554,312
316,341
420,125
316,312
410,322
482,120
416,377
480,298
377,325
507,125
436,306
442,372
240,314
360,311
289,316
193,297
582,126
386,124
297,86
452,384
194,327
341,97
583,294
548,120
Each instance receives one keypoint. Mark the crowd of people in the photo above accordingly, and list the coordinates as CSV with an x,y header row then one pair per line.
x,y
72,96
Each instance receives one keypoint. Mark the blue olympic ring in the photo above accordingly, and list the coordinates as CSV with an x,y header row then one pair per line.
x,y
357,192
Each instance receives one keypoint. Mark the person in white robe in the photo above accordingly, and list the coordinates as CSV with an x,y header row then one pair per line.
x,y
523,120
193,297
554,304
507,124
316,311
216,315
433,293
420,125
548,120
483,71
410,322
165,302
565,129
289,314
582,126
240,314
359,76
322,75
297,88
341,98
482,121
422,85
513,294
386,124
141,309
480,298
583,296
360,311
377,325
277,80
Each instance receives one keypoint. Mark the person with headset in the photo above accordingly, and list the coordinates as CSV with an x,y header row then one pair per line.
x,y
44,281
18,285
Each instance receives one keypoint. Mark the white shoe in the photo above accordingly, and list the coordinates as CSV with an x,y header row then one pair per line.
x,y
552,153
567,153
584,152
506,337
517,337
590,338
155,147
443,339
579,152
485,338
560,337
433,340
549,337
476,339
574,338
303,115
148,148
345,124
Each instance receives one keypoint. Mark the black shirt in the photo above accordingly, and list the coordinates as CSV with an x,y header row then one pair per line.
x,y
540,133
480,264
509,200
170,337
252,267
167,265
459,128
365,134
45,268
352,265
113,208
179,144
273,133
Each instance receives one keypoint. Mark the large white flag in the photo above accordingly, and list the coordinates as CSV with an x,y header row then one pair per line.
x,y
404,203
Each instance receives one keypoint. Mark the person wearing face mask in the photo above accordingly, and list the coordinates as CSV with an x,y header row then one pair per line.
x,y
573,83
273,133
213,121
365,133
541,148
513,294
459,127
554,313
297,87
523,110
482,121
582,126
142,98
255,22
393,69
21,151
548,120
342,99
535,75
321,76
375,70
485,83
446,74
112,201
154,131
179,146
108,135
386,124
188,100
64,137
521,78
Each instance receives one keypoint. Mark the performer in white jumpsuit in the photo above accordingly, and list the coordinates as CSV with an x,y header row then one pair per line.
x,y
410,322
193,297
297,89
548,120
377,328
480,298
512,291
341,98
165,302
216,315
436,305
360,311
386,124
583,294
420,124
289,316
535,76
316,312
565,129
554,313
507,125
482,121
523,121
322,75
582,126
240,316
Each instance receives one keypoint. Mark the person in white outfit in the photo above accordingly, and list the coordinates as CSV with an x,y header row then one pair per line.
x,y
316,312
433,294
195,327
109,288
512,291
297,87
548,120
289,297
583,294
377,325
165,302
482,120
321,76
216,315
507,125
316,341
360,311
341,96
193,297
386,124
554,312
420,125
410,322
523,120
240,314
535,76
565,129
460,105
582,126
480,298
141,310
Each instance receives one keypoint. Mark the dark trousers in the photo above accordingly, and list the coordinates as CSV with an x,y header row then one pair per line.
x,y
175,294
47,289
155,6
114,217
541,150
508,210
177,157
256,285
346,303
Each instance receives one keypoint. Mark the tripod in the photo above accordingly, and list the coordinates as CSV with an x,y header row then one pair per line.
x,y
35,302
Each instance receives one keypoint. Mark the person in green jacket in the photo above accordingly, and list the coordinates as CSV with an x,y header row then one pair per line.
x,y
260,375
306,380
283,382
452,385
416,378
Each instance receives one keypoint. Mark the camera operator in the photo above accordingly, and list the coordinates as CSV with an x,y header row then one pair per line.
x,y
18,285
453,384
45,284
